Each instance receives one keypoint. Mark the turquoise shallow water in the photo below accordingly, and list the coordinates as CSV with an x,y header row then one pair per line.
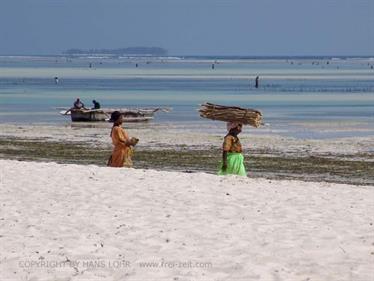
x,y
298,97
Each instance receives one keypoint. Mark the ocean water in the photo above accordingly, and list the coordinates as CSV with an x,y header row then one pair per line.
x,y
300,97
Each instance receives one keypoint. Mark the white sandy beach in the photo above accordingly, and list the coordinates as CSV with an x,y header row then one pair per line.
x,y
70,222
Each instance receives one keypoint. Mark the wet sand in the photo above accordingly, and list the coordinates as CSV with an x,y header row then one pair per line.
x,y
167,147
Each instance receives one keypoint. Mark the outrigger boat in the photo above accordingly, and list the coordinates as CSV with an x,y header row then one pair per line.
x,y
98,115
86,115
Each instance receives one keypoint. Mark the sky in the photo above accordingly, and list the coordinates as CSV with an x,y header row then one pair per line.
x,y
190,27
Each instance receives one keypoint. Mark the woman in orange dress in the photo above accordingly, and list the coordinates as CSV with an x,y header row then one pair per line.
x,y
123,145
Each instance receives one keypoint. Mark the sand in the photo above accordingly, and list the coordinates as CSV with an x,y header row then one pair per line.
x,y
71,222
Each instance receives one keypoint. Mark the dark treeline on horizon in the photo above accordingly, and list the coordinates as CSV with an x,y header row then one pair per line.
x,y
154,51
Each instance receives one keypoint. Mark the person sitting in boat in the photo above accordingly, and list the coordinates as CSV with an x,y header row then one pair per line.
x,y
232,157
96,104
123,144
78,104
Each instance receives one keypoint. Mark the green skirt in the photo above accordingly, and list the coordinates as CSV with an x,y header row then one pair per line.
x,y
235,165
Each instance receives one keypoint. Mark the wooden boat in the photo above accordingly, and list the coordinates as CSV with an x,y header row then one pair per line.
x,y
97,115
90,115
85,115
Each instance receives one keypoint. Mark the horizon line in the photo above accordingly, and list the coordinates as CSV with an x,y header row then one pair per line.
x,y
203,55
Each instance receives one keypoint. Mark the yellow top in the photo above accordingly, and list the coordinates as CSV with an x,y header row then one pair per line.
x,y
232,144
119,136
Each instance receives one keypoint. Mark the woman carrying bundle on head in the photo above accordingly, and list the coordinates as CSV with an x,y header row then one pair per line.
x,y
232,157
123,145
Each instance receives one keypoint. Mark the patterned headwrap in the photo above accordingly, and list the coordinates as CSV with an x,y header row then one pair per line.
x,y
232,125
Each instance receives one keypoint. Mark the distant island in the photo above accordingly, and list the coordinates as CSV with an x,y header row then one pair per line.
x,y
137,51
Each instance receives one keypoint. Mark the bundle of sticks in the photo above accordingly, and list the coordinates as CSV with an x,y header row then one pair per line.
x,y
231,114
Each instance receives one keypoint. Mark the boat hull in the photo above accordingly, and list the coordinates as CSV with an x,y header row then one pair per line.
x,y
100,116
88,116
103,114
